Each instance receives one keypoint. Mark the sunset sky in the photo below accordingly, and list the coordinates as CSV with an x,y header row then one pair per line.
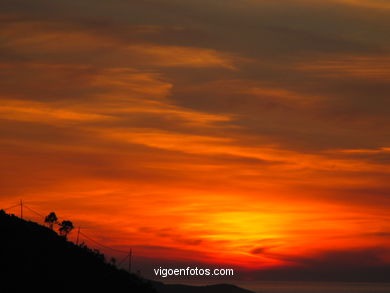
x,y
234,133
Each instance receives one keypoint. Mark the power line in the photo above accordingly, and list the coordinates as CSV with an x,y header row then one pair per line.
x,y
102,245
21,209
123,260
128,254
35,212
11,207
78,236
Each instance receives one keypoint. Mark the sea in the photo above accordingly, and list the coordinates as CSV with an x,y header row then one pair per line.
x,y
314,287
300,287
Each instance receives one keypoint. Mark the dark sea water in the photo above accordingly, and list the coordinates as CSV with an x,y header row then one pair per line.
x,y
314,287
300,287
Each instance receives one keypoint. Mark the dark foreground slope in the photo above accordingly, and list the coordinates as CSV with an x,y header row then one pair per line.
x,y
34,258
219,288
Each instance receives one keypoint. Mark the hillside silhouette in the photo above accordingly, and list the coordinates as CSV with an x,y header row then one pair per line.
x,y
34,258
218,288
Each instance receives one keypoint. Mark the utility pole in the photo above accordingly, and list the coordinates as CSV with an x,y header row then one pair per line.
x,y
130,253
78,234
21,209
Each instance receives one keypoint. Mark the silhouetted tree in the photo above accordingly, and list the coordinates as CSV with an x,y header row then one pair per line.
x,y
66,228
51,219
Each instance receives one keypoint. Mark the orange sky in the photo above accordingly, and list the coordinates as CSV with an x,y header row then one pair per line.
x,y
242,132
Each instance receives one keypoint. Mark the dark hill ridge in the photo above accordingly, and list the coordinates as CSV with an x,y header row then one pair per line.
x,y
34,258
219,288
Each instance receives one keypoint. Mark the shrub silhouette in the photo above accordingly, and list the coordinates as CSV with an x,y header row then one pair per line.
x,y
51,219
65,228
